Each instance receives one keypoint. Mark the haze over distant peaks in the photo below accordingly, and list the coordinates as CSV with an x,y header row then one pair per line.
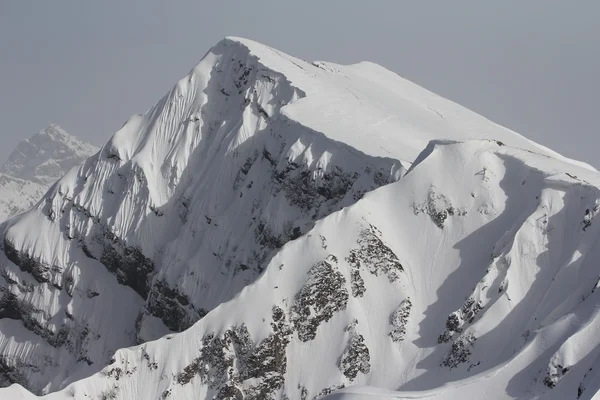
x,y
47,155
35,164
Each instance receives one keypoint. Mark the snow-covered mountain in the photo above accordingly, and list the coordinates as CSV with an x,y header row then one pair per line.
x,y
277,229
36,164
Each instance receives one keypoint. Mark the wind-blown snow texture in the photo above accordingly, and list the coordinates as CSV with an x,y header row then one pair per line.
x,y
295,231
36,164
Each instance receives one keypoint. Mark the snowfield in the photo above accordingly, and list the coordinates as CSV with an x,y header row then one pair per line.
x,y
277,229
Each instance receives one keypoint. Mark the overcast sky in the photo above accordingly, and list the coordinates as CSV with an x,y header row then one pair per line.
x,y
532,66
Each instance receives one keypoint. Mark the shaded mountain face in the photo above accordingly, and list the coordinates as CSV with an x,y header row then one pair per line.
x,y
290,229
36,164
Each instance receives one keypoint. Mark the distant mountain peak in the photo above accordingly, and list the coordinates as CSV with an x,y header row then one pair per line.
x,y
35,164
47,155
54,131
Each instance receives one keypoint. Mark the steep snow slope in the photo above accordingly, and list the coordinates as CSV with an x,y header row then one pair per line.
x,y
473,276
35,164
18,195
188,204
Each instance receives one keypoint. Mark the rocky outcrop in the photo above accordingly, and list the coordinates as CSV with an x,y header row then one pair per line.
x,y
458,319
173,308
226,362
438,207
356,358
38,269
399,319
554,374
323,294
374,256
460,351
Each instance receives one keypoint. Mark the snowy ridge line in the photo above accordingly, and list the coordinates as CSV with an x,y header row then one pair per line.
x,y
567,173
302,96
90,234
462,122
135,377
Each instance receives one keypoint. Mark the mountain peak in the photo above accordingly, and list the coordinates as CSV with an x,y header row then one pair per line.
x,y
55,131
35,164
362,104
261,220
47,155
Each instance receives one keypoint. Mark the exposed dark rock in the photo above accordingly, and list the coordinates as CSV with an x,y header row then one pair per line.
x,y
115,373
110,394
157,211
399,319
112,155
189,372
12,307
328,390
266,237
70,335
296,233
184,208
241,76
262,111
303,392
457,320
589,216
243,172
23,286
230,392
11,372
267,156
152,365
323,242
263,364
554,373
173,308
438,207
502,286
380,179
131,267
375,256
69,283
453,325
357,283
470,309
355,357
323,294
40,271
308,189
129,264
460,351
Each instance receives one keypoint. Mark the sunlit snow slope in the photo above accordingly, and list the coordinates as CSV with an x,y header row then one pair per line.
x,y
295,223
35,164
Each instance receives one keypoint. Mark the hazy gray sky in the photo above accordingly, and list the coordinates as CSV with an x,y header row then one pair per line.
x,y
530,65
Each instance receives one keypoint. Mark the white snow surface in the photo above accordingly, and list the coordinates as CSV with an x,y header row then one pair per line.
x,y
35,165
277,229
